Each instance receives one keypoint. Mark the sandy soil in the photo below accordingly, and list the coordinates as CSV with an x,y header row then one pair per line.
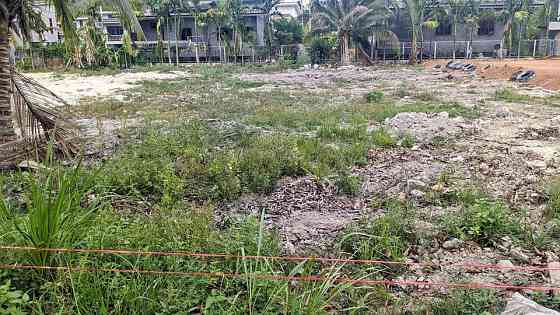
x,y
73,87
547,70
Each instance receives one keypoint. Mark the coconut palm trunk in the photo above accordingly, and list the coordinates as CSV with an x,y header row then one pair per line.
x,y
7,132
344,53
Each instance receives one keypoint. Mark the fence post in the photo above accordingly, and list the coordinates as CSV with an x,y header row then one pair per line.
x,y
435,50
534,47
253,53
403,52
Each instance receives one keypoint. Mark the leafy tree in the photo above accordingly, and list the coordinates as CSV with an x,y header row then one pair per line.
x,y
346,18
287,31
268,7
507,17
431,25
18,16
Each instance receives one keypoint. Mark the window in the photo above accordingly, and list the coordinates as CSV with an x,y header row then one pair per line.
x,y
115,30
486,26
51,25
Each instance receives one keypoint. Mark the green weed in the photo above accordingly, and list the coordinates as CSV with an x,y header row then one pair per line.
x,y
374,96
348,184
467,302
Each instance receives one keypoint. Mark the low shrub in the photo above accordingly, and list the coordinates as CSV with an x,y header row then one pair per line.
x,y
374,96
348,184
483,221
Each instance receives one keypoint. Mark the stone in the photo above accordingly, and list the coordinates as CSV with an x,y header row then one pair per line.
x,y
453,243
30,165
417,193
415,184
502,112
505,264
519,255
520,305
438,187
554,272
536,164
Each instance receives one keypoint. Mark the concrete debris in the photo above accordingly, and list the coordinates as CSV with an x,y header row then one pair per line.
x,y
519,255
426,126
453,243
30,165
520,305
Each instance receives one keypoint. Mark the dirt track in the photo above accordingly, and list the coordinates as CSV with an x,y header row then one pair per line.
x,y
547,70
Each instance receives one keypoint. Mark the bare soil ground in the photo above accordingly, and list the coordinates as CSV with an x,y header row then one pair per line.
x,y
547,70
511,151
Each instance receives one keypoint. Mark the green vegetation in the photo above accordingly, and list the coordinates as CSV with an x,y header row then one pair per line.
x,y
467,302
552,210
508,95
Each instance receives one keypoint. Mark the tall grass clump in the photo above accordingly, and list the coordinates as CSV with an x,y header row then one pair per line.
x,y
552,210
59,208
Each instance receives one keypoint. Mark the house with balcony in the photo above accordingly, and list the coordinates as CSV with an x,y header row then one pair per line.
x,y
483,40
178,33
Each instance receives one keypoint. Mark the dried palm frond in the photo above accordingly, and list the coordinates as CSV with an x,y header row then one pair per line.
x,y
37,122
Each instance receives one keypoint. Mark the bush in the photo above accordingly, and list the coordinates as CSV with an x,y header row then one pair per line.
x,y
382,138
12,302
348,184
467,302
387,237
552,209
321,50
483,221
374,96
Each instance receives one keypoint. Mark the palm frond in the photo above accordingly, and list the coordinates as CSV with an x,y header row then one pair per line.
x,y
128,18
38,122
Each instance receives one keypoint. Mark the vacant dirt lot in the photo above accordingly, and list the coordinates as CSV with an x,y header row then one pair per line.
x,y
547,70
396,163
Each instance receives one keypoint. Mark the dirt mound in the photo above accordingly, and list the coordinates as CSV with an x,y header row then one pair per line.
x,y
546,70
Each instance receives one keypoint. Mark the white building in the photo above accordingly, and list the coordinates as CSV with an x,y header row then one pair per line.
x,y
293,8
53,33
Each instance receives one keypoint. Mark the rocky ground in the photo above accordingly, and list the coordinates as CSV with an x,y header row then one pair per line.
x,y
510,151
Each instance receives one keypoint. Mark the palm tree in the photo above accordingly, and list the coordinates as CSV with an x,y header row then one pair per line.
x,y
347,17
416,10
431,25
18,16
269,9
507,17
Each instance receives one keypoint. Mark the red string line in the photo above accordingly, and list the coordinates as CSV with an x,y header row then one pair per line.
x,y
280,258
345,280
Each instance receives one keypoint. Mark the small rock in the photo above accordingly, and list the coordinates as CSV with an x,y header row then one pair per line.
x,y
452,243
484,168
554,272
417,193
536,164
30,165
505,264
402,196
415,184
438,187
519,255
503,112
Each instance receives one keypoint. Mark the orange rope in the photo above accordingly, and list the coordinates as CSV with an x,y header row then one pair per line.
x,y
281,258
473,285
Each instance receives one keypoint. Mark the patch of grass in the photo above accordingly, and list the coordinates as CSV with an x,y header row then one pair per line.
x,y
374,96
552,209
483,221
508,95
387,237
382,138
348,184
333,131
467,302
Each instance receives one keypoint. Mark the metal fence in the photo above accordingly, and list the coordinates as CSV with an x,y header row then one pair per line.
x,y
468,49
187,52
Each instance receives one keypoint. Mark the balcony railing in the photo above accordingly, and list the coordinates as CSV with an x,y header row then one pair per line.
x,y
114,38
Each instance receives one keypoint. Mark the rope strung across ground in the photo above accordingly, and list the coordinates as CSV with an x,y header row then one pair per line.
x,y
344,280
279,258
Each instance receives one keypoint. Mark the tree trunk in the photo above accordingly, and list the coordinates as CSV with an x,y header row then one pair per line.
x,y
7,132
344,56
168,41
176,41
196,39
413,46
